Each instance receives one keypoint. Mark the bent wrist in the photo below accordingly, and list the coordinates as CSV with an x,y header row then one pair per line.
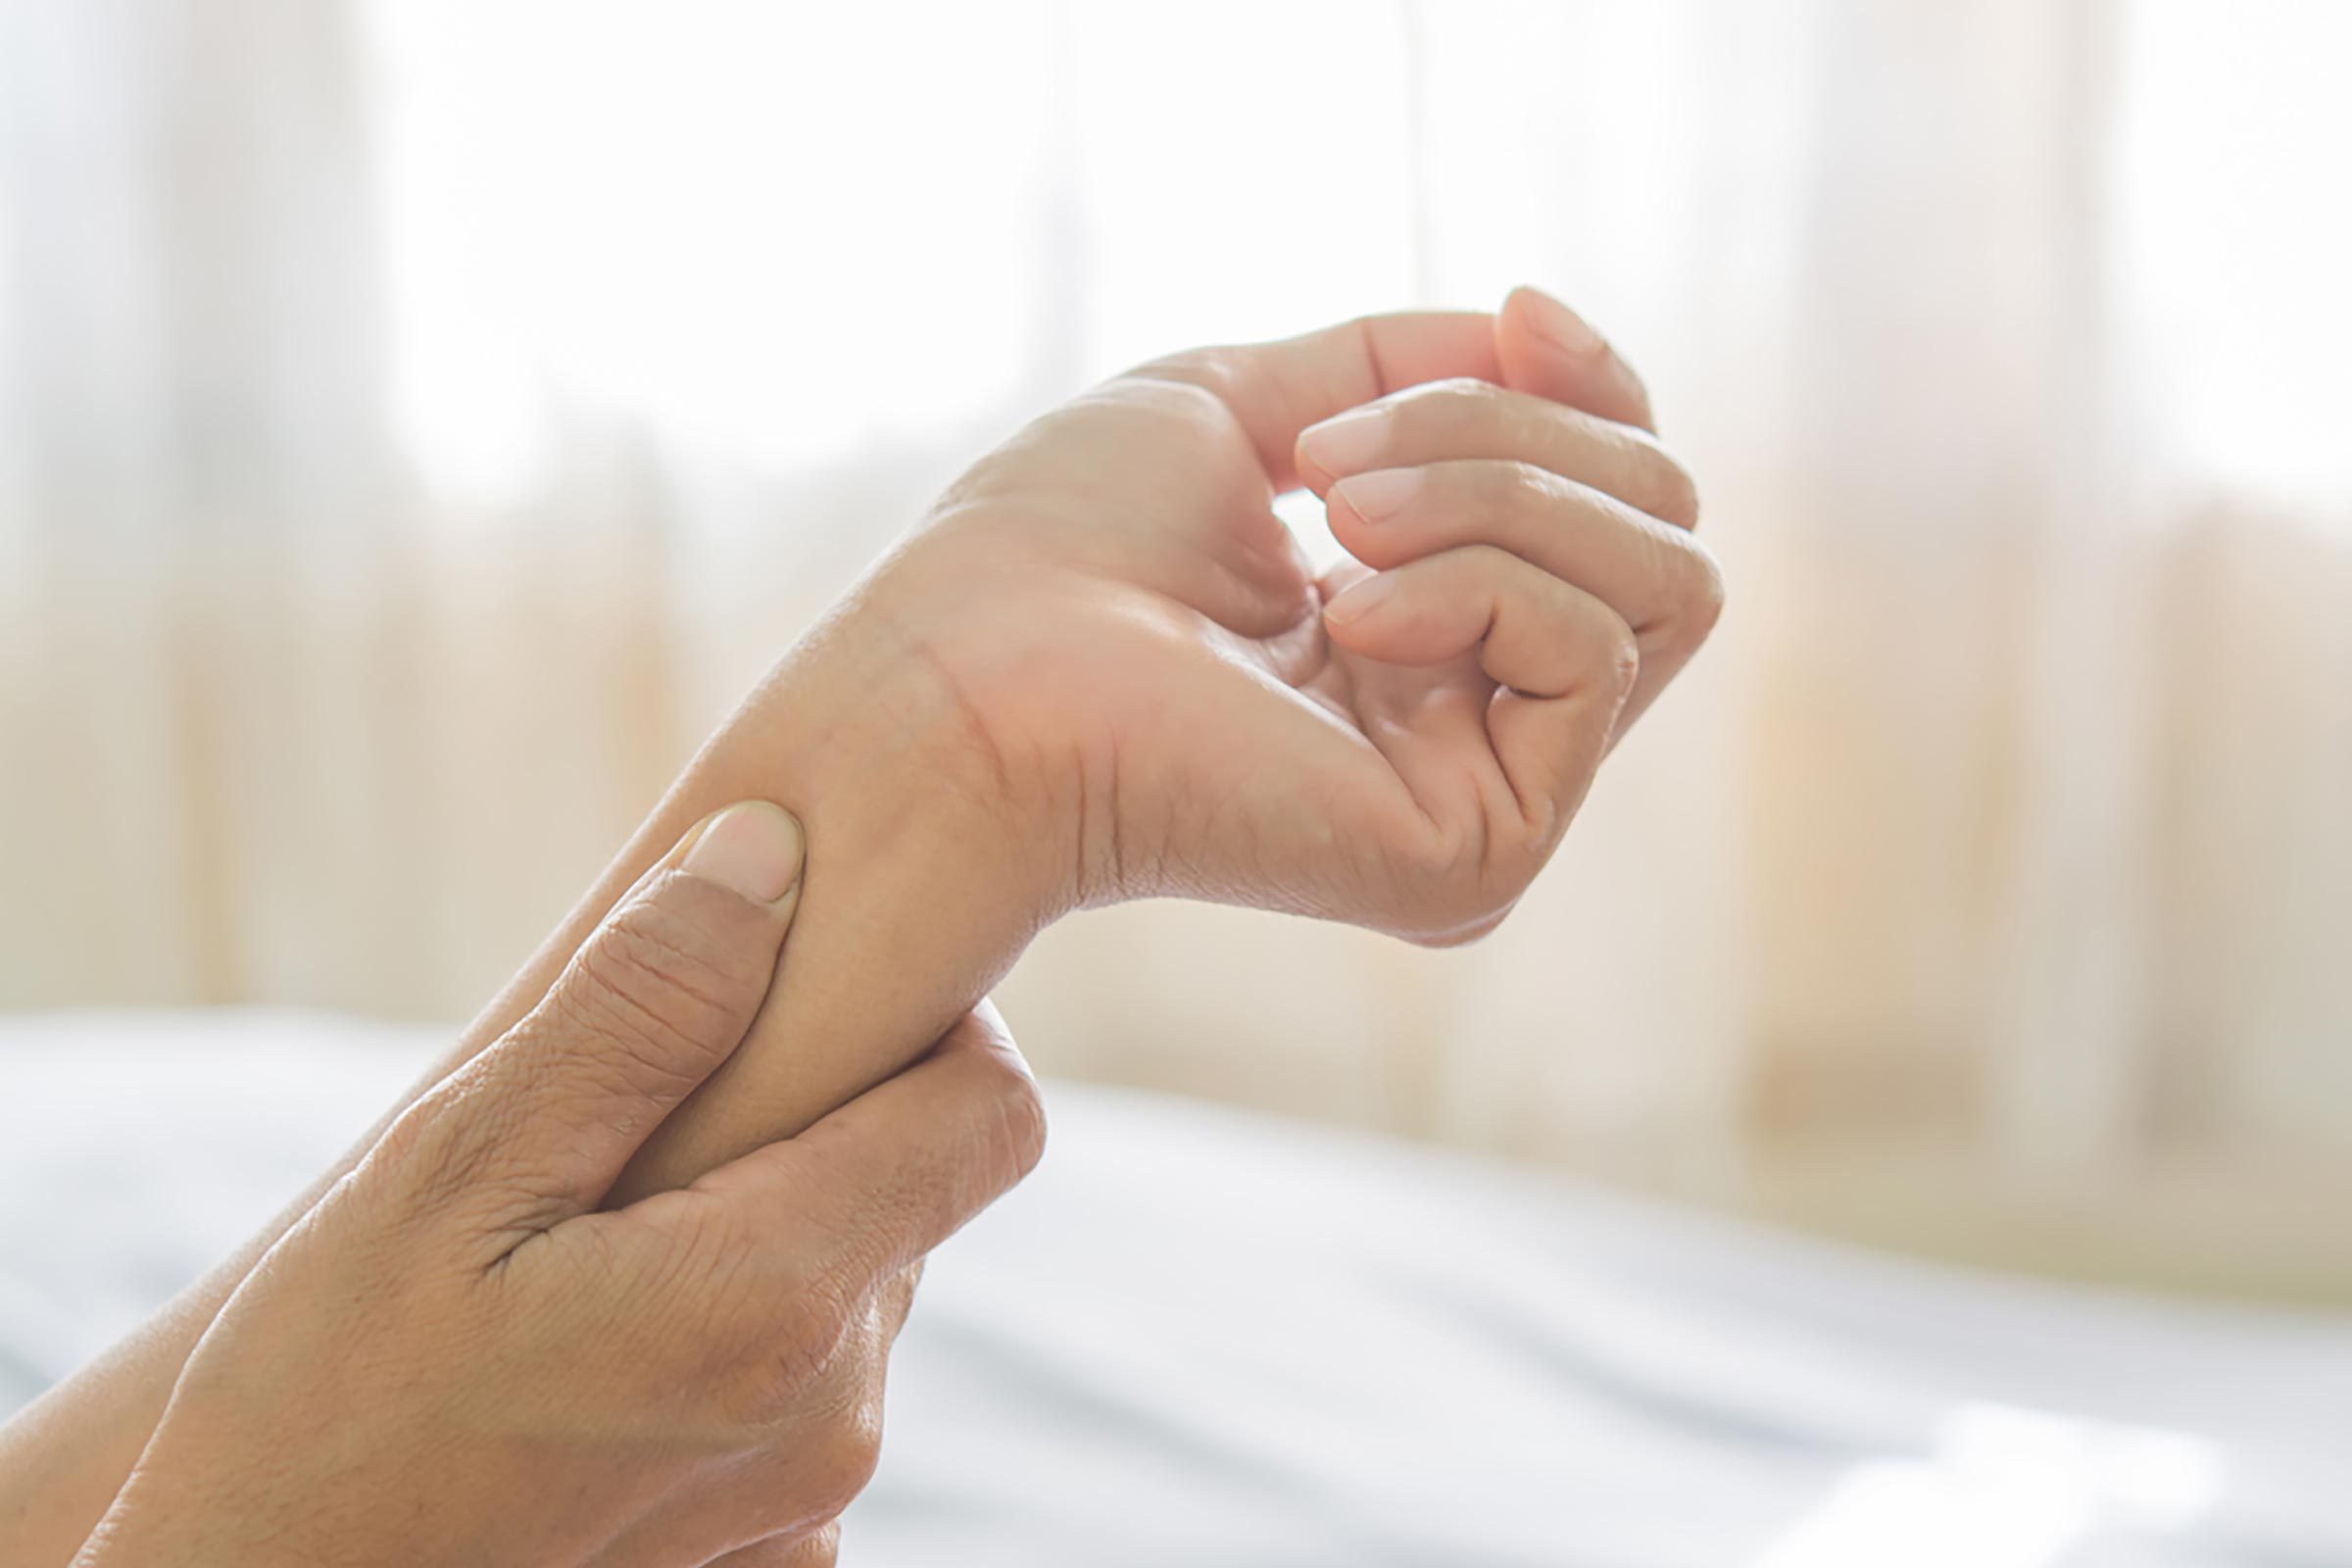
x,y
931,862
869,731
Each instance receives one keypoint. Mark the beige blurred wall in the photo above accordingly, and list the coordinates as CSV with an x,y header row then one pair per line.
x,y
398,476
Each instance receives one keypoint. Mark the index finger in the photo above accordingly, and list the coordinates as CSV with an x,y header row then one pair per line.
x,y
1276,390
1535,344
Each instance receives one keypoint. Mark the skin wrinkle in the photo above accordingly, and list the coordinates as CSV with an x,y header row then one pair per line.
x,y
1111,791
1081,852
1375,371
1511,502
606,1004
969,722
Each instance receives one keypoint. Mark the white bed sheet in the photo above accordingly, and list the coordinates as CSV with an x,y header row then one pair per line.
x,y
1199,1336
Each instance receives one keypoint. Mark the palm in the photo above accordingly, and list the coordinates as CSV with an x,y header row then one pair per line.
x,y
1362,770
1253,759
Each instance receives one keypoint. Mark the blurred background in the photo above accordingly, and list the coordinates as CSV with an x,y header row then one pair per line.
x,y
420,420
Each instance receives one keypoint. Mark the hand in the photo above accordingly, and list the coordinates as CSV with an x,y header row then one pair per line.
x,y
1100,669
456,1358
1132,635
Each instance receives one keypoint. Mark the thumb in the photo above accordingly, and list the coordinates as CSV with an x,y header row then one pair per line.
x,y
1548,350
660,992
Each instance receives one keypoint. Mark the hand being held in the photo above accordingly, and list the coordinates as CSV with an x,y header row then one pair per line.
x,y
457,1357
1134,638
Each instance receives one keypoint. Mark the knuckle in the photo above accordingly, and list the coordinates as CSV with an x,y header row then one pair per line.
x,y
1619,660
1463,392
1445,855
1488,562
1693,599
1457,889
665,987
819,1548
421,1139
1191,380
787,1347
1476,930
1021,1113
1668,491
822,1311
1508,484
435,1150
841,1461
895,1303
1702,597
794,1544
774,1316
1210,368
1445,409
1194,393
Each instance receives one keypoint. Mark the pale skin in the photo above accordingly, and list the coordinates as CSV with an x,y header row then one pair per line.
x,y
1101,669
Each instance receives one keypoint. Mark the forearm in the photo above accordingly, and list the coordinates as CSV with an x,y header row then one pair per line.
x,y
922,888
918,893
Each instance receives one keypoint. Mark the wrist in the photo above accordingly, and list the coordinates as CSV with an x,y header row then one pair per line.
x,y
1014,654
932,859
874,732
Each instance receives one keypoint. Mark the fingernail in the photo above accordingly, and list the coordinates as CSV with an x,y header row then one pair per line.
x,y
1355,603
753,849
1345,442
1381,493
1561,327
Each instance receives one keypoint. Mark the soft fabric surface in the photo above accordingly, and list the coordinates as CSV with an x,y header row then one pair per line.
x,y
1200,1337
